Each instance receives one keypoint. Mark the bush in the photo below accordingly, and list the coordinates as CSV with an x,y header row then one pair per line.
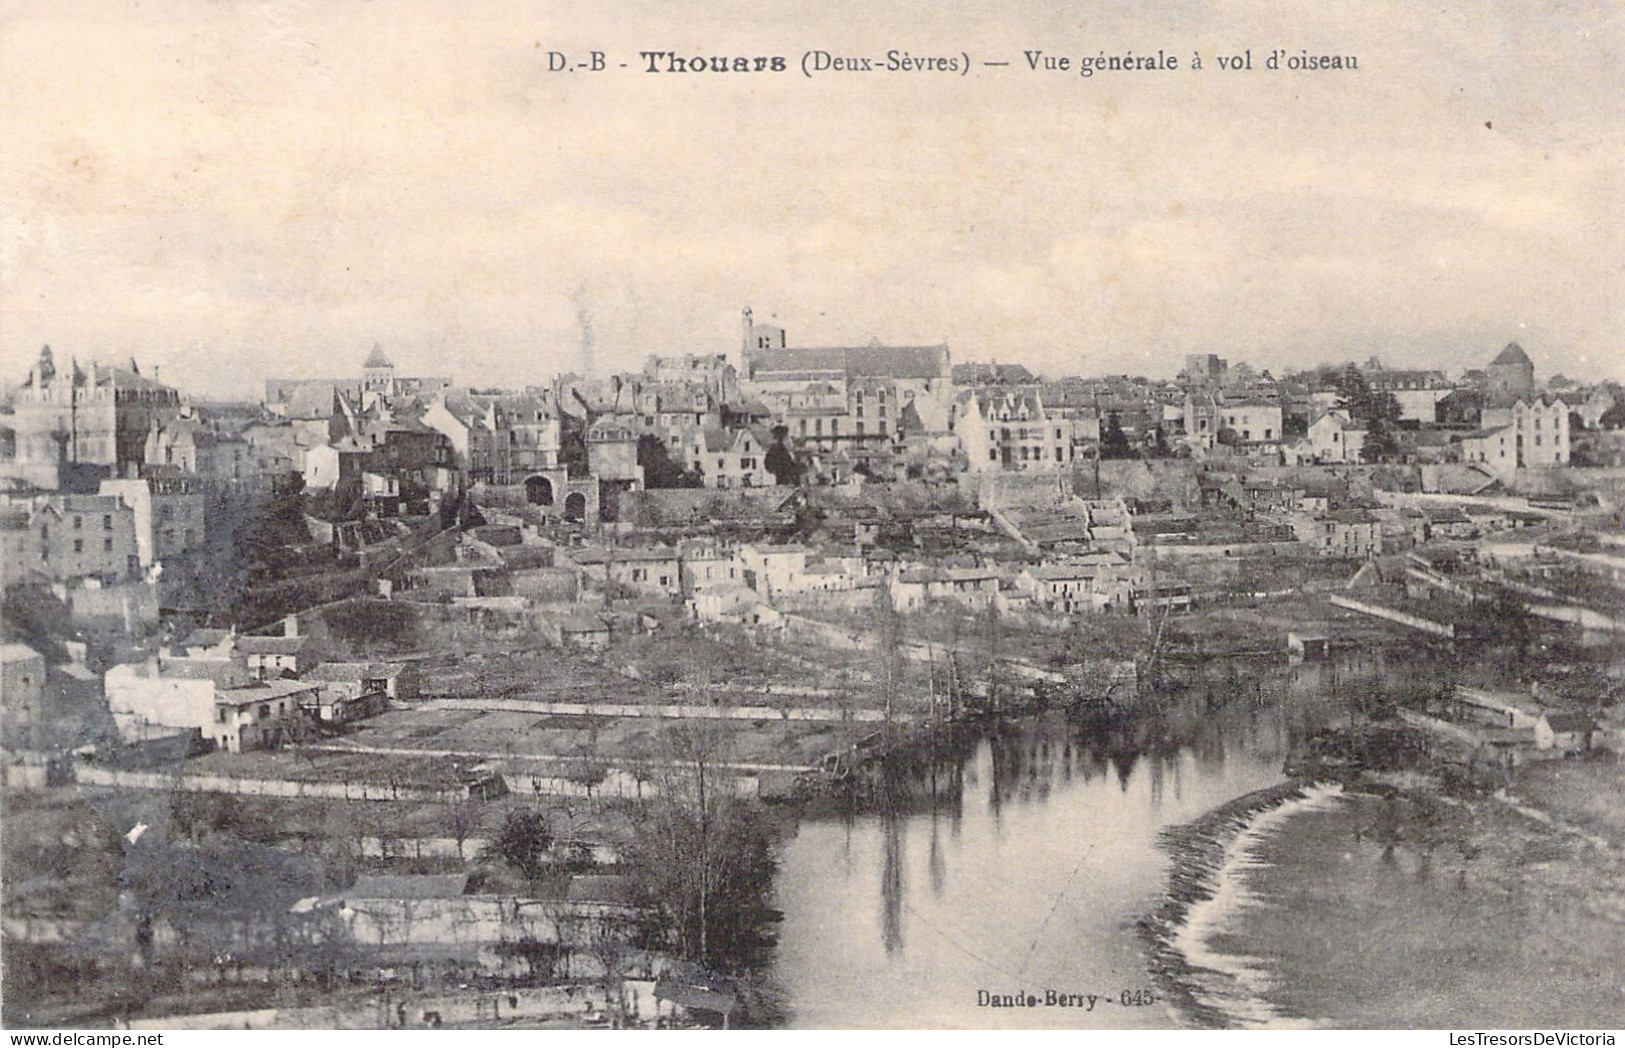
x,y
373,625
523,840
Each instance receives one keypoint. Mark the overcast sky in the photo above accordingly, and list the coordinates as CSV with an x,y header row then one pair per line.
x,y
232,190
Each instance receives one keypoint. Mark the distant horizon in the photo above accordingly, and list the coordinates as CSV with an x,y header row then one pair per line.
x,y
229,190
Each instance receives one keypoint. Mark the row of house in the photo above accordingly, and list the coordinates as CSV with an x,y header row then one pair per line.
x,y
1514,728
246,692
877,409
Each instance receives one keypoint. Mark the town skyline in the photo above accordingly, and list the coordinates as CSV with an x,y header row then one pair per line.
x,y
249,385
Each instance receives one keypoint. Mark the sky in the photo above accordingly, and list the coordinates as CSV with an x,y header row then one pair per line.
x,y
231,191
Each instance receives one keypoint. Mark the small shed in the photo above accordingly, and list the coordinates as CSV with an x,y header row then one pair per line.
x,y
1571,732
695,998
614,889
1308,645
582,629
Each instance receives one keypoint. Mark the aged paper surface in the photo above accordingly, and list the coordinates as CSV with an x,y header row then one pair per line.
x,y
799,515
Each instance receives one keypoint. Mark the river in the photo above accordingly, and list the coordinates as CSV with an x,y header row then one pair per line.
x,y
1022,864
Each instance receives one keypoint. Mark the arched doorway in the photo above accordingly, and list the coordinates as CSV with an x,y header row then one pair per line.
x,y
575,506
538,491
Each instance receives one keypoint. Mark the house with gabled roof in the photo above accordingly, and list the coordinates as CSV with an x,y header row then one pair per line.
x,y
1009,429
1336,437
731,458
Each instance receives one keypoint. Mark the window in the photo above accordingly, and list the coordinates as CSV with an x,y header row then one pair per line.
x,y
107,522
78,522
78,545
265,710
107,545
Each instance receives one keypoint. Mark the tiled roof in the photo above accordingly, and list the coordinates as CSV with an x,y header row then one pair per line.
x,y
856,361
259,691
1512,354
270,645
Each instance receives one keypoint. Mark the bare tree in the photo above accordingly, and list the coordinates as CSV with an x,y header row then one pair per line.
x,y
703,861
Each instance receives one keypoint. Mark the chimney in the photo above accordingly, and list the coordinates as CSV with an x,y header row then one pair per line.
x,y
290,626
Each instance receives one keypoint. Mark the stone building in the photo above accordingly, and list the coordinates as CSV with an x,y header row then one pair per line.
x,y
1511,374
95,416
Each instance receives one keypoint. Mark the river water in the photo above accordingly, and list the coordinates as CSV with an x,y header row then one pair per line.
x,y
1021,864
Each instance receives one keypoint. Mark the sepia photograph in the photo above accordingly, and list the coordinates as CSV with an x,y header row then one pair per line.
x,y
550,515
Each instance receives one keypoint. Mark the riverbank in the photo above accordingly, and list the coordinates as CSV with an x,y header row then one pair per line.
x,y
1410,910
1197,875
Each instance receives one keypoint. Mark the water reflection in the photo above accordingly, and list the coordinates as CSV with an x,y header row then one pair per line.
x,y
939,865
1037,849
891,884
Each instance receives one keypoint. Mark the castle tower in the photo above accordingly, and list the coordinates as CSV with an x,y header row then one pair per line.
x,y
1511,374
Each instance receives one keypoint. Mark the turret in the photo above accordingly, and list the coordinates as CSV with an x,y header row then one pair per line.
x,y
45,369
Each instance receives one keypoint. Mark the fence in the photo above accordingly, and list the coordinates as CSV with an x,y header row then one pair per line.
x,y
1438,629
91,775
663,712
